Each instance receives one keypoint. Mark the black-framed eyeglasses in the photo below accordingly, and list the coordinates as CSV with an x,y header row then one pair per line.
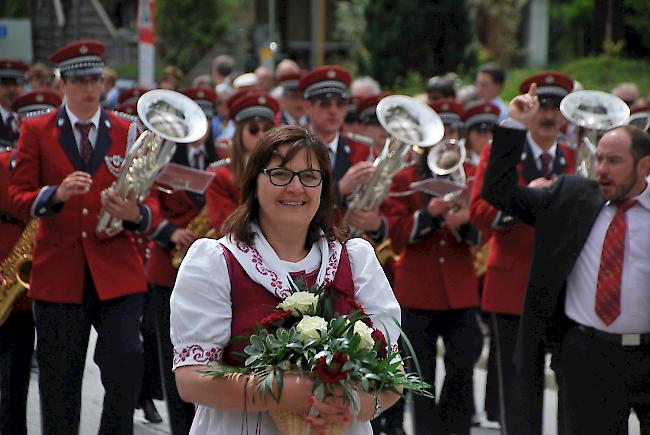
x,y
284,176
254,129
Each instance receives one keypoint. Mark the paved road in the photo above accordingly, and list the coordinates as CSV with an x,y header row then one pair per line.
x,y
93,393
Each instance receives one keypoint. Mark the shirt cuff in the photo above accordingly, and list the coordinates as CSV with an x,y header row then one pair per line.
x,y
512,123
196,355
423,224
502,221
162,235
381,234
44,204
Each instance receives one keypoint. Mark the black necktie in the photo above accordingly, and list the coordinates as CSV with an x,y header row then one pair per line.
x,y
197,159
85,147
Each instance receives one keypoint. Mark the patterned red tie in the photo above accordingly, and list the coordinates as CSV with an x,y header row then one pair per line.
x,y
608,288
545,158
85,148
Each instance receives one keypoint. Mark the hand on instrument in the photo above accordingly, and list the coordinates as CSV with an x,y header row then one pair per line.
x,y
542,182
369,221
358,174
182,237
455,218
120,208
523,107
438,207
75,183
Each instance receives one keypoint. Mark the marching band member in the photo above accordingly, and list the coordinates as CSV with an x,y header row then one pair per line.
x,y
436,286
478,120
65,160
292,103
172,214
12,79
326,96
17,333
511,247
253,114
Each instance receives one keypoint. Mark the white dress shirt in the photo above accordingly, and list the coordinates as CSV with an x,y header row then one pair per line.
x,y
538,151
192,151
635,282
92,135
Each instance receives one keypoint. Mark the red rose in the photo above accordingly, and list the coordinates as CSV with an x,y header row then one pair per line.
x,y
364,317
332,373
380,342
274,319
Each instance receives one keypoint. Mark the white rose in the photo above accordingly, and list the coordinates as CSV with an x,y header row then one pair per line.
x,y
365,332
299,303
309,326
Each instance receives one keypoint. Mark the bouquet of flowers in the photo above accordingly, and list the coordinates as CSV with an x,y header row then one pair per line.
x,y
305,335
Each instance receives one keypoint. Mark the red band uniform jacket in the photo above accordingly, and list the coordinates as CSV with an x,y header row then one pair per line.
x,y
434,271
222,197
511,244
66,238
170,212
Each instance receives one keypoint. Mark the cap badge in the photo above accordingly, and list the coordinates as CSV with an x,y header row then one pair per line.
x,y
200,94
331,74
261,100
445,107
83,49
39,98
549,79
8,65
487,109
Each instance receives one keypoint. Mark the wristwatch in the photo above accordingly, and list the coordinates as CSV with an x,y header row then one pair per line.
x,y
378,408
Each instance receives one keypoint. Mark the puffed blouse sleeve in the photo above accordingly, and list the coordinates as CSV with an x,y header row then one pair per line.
x,y
372,290
200,306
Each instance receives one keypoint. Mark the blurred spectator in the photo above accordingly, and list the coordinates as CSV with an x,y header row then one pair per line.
x,y
264,78
110,91
171,78
440,87
628,92
39,76
245,82
467,95
203,81
363,87
222,68
489,84
286,66
222,129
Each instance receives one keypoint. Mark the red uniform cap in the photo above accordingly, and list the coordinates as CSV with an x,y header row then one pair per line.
x,y
481,115
130,108
252,105
13,71
79,58
206,98
35,102
450,111
131,95
325,81
289,80
550,85
640,116
367,107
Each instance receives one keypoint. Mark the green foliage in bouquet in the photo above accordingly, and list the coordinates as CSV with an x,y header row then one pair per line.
x,y
305,335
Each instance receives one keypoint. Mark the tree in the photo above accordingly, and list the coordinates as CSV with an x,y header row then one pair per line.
x,y
411,35
186,30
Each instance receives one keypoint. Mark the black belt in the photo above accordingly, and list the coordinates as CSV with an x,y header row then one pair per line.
x,y
10,219
619,339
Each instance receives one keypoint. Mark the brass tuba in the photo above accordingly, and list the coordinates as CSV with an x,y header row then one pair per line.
x,y
170,118
16,270
409,123
200,225
596,112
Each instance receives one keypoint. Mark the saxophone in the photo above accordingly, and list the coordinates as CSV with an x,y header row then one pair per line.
x,y
15,271
200,225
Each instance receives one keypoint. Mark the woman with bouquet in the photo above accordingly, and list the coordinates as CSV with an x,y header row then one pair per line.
x,y
281,236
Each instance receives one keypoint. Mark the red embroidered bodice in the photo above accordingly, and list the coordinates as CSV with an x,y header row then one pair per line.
x,y
251,302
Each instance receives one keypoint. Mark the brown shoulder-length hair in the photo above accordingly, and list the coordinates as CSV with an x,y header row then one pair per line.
x,y
239,222
238,155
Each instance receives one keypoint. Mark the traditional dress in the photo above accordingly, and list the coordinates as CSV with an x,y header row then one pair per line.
x,y
204,305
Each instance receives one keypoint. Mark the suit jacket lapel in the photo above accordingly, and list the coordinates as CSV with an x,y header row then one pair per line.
x,y
102,144
528,166
589,205
559,164
342,163
67,139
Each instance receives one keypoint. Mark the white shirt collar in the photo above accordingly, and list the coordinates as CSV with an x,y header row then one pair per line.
x,y
94,120
191,151
334,144
537,150
5,114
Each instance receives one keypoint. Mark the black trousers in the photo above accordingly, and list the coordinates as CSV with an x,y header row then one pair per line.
x,y
181,413
463,340
63,331
16,347
151,383
600,383
521,398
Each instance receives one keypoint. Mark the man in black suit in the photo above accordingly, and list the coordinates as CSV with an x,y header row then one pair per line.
x,y
588,289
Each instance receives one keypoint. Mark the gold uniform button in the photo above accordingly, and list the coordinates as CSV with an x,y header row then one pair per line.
x,y
443,243
441,260
84,211
84,234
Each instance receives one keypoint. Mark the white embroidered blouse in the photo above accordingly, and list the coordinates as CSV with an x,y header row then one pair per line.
x,y
201,311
